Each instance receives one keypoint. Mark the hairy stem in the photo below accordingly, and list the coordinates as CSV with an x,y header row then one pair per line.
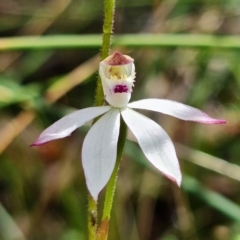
x,y
92,218
109,6
109,9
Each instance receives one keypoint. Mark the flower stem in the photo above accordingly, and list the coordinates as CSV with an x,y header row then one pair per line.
x,y
92,218
109,9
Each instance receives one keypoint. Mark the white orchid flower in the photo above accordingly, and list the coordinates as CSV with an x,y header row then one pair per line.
x,y
99,150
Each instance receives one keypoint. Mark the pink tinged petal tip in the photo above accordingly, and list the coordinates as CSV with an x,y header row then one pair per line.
x,y
66,125
99,151
155,144
175,109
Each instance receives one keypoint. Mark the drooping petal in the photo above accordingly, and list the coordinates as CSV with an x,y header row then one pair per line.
x,y
66,125
175,109
99,151
155,143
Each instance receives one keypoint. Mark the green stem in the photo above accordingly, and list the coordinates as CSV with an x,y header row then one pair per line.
x,y
109,9
92,218
109,6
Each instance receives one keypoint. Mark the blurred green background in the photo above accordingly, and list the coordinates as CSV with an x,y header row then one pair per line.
x,y
42,190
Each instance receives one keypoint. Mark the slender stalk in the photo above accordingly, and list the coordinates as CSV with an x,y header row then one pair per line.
x,y
109,9
109,6
92,218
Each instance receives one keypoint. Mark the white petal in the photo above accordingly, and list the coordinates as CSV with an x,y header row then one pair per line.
x,y
66,125
175,109
155,143
99,151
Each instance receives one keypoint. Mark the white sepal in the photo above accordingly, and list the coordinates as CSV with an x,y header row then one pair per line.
x,y
66,125
175,109
155,144
99,151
